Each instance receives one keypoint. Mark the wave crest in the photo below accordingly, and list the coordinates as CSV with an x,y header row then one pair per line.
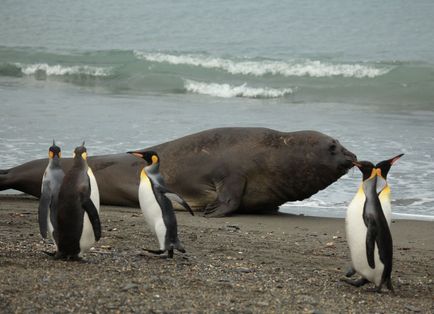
x,y
229,91
311,68
60,70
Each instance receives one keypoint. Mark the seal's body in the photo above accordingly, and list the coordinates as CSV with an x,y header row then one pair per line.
x,y
220,171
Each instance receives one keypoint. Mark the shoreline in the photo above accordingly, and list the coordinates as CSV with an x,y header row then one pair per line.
x,y
248,263
286,211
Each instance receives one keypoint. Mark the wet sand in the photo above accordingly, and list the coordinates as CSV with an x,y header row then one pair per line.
x,y
267,264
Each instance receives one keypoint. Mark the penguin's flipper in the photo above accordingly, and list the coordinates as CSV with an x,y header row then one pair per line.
x,y
371,236
44,205
92,212
176,198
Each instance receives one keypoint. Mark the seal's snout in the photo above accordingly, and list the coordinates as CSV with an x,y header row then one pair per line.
x,y
349,159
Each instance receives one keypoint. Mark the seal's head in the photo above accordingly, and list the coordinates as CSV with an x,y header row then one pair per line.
x,y
334,158
344,158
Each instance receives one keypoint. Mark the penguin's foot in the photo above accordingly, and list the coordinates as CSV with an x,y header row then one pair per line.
x,y
356,283
156,252
52,254
389,286
350,272
66,257
375,289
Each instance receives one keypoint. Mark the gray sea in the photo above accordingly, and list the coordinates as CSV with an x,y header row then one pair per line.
x,y
129,74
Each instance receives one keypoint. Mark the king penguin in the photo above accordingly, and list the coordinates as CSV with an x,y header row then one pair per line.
x,y
78,224
382,168
156,206
51,182
367,227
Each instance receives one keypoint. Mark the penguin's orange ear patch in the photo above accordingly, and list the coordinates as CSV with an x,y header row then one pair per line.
x,y
154,159
50,154
84,155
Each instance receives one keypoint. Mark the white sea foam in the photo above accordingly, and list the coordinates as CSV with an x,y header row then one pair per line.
x,y
312,68
228,91
59,70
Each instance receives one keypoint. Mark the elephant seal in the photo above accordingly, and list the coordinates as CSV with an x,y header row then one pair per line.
x,y
219,171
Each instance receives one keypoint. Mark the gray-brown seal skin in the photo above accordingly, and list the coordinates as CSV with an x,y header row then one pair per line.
x,y
220,171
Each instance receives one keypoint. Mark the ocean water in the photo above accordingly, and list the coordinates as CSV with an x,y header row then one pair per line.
x,y
126,75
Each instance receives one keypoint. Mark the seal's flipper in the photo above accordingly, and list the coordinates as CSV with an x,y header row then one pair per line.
x,y
176,198
229,194
356,283
3,179
91,211
370,242
44,205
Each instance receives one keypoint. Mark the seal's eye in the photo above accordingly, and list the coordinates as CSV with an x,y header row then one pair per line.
x,y
332,149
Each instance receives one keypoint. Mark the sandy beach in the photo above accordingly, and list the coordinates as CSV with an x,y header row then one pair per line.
x,y
249,264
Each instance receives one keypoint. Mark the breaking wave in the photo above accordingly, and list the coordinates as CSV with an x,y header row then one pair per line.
x,y
229,91
55,70
310,68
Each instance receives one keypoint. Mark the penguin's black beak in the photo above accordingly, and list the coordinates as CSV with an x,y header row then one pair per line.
x,y
357,164
137,154
394,159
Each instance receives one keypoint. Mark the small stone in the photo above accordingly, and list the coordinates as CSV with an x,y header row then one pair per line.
x,y
412,308
262,303
244,270
129,286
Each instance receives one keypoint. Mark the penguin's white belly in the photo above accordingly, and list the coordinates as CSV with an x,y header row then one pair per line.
x,y
356,231
87,239
94,191
50,227
386,204
152,211
48,179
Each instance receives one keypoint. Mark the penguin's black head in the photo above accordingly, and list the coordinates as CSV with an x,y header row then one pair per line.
x,y
366,167
80,151
54,151
150,156
385,165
